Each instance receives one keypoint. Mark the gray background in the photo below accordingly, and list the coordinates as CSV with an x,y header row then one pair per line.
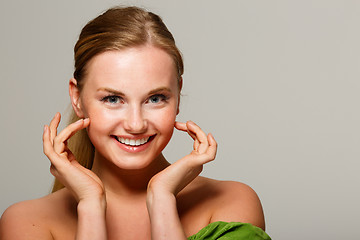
x,y
276,82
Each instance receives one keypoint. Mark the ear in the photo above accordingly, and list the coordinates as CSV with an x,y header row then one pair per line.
x,y
75,97
180,87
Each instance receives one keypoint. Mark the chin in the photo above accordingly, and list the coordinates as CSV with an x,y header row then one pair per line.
x,y
133,161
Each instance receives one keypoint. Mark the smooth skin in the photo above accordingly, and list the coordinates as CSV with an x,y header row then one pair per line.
x,y
129,194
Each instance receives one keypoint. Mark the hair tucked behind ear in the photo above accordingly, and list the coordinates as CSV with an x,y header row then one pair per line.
x,y
116,29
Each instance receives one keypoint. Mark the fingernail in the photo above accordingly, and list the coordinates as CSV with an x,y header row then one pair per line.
x,y
190,122
80,121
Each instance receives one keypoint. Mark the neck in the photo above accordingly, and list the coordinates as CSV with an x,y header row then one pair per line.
x,y
127,182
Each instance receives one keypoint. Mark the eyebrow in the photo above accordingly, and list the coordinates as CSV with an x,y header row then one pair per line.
x,y
119,93
110,90
160,89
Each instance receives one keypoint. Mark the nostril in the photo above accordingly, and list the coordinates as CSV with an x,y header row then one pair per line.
x,y
136,127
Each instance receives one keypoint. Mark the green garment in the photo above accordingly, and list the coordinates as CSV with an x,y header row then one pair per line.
x,y
230,231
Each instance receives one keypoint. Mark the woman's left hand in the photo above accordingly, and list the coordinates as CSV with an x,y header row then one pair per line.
x,y
179,174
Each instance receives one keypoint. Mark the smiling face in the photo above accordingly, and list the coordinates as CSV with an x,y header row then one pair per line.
x,y
131,98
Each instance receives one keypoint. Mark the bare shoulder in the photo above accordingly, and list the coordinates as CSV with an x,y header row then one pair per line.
x,y
235,202
33,219
24,220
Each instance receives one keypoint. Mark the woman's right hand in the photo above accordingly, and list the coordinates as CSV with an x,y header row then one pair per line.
x,y
82,182
86,187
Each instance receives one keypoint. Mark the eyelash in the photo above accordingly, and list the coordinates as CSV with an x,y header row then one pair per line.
x,y
163,98
107,98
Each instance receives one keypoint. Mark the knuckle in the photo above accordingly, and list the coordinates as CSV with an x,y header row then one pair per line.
x,y
46,151
56,140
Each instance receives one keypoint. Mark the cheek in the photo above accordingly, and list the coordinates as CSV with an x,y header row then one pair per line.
x,y
101,123
165,122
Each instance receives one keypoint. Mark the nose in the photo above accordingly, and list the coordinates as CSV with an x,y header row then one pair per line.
x,y
135,123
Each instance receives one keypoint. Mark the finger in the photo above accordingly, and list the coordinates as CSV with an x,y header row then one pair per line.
x,y
54,125
196,145
199,135
47,145
196,132
182,127
48,148
68,132
210,153
212,147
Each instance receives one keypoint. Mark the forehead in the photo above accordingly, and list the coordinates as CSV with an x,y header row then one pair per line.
x,y
141,66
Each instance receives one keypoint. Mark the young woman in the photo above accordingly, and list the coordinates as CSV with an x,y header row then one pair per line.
x,y
112,181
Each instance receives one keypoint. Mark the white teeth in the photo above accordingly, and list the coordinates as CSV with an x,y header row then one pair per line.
x,y
133,142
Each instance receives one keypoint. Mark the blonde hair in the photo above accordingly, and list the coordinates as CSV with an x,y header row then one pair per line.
x,y
116,29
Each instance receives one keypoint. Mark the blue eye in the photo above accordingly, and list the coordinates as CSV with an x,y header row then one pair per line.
x,y
111,99
157,98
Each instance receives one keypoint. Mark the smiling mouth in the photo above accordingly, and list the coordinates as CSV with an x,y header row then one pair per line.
x,y
134,142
